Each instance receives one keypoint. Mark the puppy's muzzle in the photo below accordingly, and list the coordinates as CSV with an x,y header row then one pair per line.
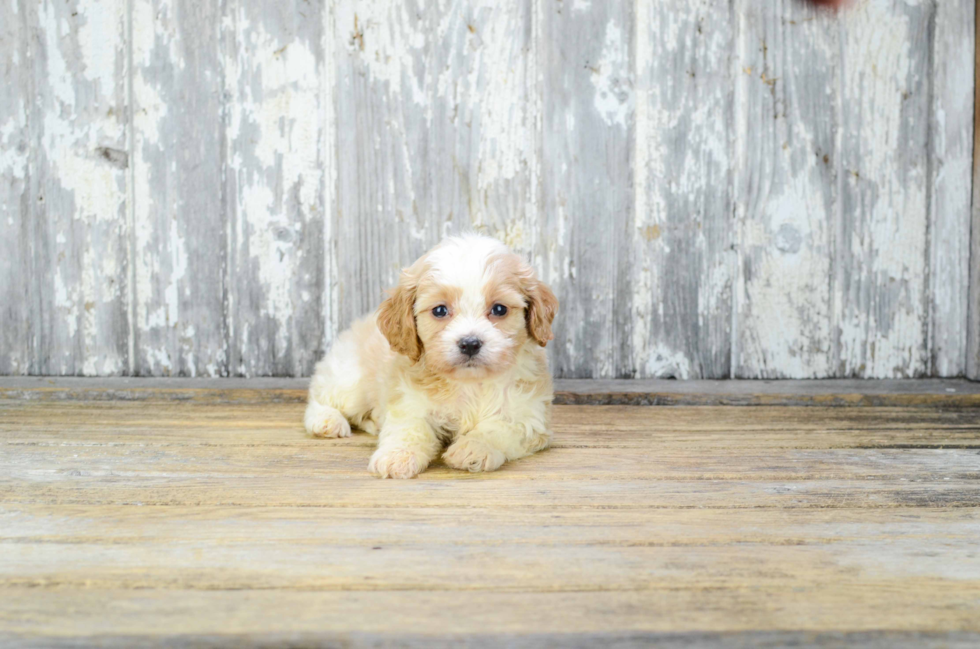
x,y
470,346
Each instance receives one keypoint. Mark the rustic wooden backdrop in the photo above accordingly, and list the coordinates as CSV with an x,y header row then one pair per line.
x,y
715,188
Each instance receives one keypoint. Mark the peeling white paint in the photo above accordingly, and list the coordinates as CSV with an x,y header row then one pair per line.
x,y
900,317
951,161
387,37
81,186
66,302
664,362
59,78
274,132
892,238
682,156
96,19
787,324
613,79
647,153
496,70
13,156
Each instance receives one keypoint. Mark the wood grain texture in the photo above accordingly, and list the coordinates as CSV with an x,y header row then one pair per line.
x,y
78,187
883,315
164,522
836,393
683,234
973,316
786,145
433,135
180,226
586,59
273,62
481,139
557,615
950,161
714,190
17,240
489,639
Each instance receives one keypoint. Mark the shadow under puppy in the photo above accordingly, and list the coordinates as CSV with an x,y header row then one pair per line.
x,y
453,359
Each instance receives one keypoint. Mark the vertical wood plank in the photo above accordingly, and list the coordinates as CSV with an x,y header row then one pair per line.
x,y
78,187
382,89
586,57
883,249
683,230
973,309
950,173
786,153
180,229
330,279
275,185
433,135
480,138
849,139
16,242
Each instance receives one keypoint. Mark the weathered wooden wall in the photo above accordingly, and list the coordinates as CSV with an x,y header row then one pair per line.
x,y
715,189
973,318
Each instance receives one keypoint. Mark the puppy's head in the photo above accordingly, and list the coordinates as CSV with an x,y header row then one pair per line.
x,y
467,306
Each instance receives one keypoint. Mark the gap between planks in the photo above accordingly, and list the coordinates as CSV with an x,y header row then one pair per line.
x,y
907,393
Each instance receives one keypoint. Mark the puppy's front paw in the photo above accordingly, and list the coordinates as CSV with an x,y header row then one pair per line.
x,y
470,454
324,421
398,463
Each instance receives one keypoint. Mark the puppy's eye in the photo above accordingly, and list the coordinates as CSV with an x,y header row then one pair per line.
x,y
440,311
498,310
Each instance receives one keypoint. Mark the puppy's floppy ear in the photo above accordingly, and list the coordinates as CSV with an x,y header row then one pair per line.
x,y
541,306
396,315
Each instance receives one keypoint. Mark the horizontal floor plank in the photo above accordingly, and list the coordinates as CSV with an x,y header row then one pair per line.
x,y
475,526
914,605
444,565
454,490
216,519
656,460
67,419
929,393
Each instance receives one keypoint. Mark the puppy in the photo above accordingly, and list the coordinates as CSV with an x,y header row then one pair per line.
x,y
453,359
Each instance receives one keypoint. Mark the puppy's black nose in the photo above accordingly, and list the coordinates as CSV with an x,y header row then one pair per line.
x,y
470,346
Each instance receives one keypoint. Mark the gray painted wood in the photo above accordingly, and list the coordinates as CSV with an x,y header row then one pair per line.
x,y
973,316
950,158
753,189
480,139
586,65
786,149
683,230
180,238
883,241
433,135
79,164
78,187
16,233
381,219
274,183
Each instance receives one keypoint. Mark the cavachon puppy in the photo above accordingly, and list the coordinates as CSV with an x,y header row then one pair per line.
x,y
453,359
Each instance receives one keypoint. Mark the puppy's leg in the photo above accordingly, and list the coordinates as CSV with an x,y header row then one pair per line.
x,y
334,400
322,420
493,442
405,448
344,387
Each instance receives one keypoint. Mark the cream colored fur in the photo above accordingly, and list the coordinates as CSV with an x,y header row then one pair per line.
x,y
399,373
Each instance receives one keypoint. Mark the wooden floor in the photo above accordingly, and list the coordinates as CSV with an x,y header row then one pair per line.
x,y
207,517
